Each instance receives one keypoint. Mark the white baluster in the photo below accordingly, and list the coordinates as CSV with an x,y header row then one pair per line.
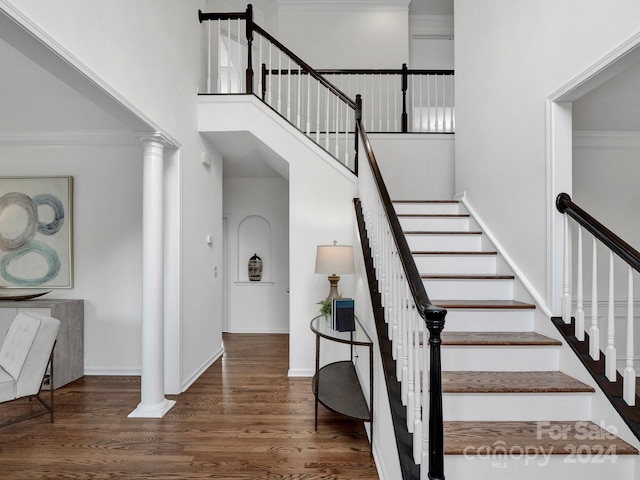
x,y
566,295
453,105
220,42
420,105
380,102
239,61
372,103
629,385
209,57
299,104
326,121
346,134
229,90
405,347
270,77
411,396
425,403
579,327
289,89
337,128
279,81
308,105
388,115
259,93
317,113
395,104
610,351
594,331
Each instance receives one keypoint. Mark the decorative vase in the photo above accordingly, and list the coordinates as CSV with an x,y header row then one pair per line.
x,y
255,268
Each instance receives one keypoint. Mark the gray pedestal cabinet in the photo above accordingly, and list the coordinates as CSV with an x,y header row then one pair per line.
x,y
69,350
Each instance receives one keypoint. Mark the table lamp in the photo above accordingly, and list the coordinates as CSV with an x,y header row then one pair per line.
x,y
332,260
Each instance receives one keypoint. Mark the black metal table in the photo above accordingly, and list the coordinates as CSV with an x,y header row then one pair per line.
x,y
336,385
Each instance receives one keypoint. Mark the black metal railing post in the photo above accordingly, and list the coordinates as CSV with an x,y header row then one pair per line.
x,y
405,83
263,93
249,30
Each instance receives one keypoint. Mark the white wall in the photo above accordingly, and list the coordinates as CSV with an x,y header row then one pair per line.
x,y
416,167
107,230
511,56
346,34
258,307
321,193
148,54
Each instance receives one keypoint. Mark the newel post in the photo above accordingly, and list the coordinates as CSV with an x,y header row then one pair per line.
x,y
435,325
249,28
405,82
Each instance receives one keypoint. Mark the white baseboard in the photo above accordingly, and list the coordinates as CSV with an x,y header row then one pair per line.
x,y
301,372
258,330
195,375
113,372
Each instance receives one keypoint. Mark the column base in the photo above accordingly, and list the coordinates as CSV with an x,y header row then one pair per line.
x,y
152,411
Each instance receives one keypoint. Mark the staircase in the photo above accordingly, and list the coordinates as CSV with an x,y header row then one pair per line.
x,y
509,412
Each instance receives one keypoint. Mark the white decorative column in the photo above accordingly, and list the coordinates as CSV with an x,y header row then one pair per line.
x,y
152,404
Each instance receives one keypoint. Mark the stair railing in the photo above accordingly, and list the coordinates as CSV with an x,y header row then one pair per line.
x,y
410,315
302,96
603,237
430,95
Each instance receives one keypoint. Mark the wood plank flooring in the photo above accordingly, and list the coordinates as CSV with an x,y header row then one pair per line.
x,y
242,419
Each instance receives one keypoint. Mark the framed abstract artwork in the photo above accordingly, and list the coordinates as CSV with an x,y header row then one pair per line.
x,y
36,234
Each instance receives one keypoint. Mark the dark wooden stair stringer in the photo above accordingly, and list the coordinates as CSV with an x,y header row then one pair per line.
x,y
404,440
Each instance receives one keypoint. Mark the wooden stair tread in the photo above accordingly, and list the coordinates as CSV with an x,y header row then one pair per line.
x,y
494,437
511,382
424,253
448,276
497,338
484,304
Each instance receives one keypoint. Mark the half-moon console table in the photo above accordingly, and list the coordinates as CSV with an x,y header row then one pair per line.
x,y
336,385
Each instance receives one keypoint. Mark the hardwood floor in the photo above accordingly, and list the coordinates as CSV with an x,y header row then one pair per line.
x,y
243,419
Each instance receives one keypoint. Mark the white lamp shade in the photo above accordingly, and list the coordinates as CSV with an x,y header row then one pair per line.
x,y
334,259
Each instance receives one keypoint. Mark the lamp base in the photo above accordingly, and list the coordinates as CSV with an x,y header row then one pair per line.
x,y
333,287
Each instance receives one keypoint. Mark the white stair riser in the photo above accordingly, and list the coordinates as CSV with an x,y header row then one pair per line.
x,y
435,224
450,243
478,407
456,264
500,359
460,289
484,320
427,208
533,465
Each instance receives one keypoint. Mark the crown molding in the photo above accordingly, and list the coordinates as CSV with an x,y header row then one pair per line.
x,y
600,139
344,5
431,25
68,138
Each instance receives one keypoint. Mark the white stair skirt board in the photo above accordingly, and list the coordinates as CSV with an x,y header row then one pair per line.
x,y
500,358
532,464
451,208
470,289
456,264
478,407
442,241
435,224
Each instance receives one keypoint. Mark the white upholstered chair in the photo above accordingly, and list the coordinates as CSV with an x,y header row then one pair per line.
x,y
26,352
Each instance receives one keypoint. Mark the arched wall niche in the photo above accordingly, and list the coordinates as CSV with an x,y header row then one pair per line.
x,y
254,237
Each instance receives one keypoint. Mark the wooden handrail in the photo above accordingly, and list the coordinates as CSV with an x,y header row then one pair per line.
x,y
433,315
626,252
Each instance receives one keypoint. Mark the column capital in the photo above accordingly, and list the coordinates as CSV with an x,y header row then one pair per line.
x,y
155,137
